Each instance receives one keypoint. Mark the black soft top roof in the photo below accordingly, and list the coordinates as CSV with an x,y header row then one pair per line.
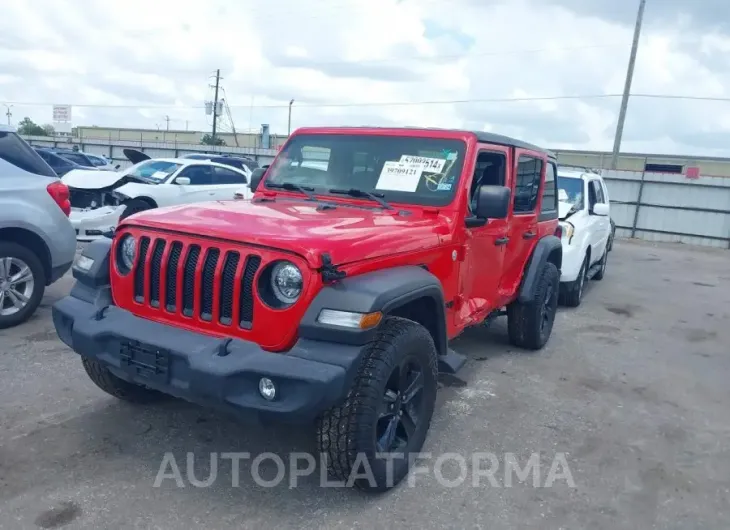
x,y
492,138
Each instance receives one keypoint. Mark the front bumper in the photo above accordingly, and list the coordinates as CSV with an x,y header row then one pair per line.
x,y
92,224
219,373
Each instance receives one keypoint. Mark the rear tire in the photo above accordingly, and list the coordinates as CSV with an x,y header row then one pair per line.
x,y
18,258
119,388
382,414
530,323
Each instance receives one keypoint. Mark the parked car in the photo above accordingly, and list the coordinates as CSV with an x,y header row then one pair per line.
x,y
586,231
229,160
37,242
86,160
331,296
59,164
99,200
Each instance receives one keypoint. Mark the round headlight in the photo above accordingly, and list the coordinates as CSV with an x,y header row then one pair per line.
x,y
127,252
286,282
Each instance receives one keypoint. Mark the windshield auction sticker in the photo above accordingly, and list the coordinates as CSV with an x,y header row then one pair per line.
x,y
429,165
399,176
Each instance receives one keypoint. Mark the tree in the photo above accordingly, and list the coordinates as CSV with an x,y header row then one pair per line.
x,y
208,140
28,127
49,130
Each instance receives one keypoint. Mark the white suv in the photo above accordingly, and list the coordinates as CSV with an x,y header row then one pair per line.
x,y
586,230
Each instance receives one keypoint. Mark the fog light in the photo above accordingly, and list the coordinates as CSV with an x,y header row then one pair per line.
x,y
84,263
267,388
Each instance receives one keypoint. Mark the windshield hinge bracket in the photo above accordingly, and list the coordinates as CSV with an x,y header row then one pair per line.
x,y
330,273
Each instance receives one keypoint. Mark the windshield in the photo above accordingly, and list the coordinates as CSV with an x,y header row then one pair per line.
x,y
154,171
570,190
398,168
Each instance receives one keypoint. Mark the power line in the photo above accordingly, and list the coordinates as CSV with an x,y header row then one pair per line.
x,y
440,57
391,103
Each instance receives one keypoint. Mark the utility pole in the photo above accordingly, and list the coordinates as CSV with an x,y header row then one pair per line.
x,y
8,113
215,102
288,128
167,122
627,86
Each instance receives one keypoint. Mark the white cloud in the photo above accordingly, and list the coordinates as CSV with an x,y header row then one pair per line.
x,y
156,55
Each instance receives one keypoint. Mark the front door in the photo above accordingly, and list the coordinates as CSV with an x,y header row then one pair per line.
x,y
485,244
526,184
201,187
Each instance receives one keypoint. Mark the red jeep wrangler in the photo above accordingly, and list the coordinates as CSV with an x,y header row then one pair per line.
x,y
332,295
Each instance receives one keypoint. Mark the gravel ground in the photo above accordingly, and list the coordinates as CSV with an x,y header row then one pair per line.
x,y
632,391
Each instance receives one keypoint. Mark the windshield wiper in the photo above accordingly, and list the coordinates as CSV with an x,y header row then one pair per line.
x,y
305,190
354,192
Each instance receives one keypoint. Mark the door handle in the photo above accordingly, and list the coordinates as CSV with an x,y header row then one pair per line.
x,y
528,235
501,241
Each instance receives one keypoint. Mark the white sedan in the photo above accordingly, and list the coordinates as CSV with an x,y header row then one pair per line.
x,y
99,200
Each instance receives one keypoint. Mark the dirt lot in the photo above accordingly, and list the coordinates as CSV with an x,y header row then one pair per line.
x,y
632,389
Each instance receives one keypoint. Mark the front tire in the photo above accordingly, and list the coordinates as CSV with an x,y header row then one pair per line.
x,y
571,293
134,206
602,271
531,323
368,439
22,284
120,389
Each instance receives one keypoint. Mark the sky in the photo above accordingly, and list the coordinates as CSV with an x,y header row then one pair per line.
x,y
547,71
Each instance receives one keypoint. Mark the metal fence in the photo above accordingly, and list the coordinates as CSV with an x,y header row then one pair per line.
x,y
670,207
113,149
651,206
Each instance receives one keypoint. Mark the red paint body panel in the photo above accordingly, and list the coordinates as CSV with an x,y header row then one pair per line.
x,y
477,275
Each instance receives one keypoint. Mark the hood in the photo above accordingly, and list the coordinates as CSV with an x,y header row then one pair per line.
x,y
134,156
96,180
563,209
90,179
348,234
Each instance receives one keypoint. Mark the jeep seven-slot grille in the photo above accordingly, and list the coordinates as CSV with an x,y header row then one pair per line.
x,y
184,263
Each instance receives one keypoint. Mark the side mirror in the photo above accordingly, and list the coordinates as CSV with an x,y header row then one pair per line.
x,y
493,202
182,181
600,209
256,176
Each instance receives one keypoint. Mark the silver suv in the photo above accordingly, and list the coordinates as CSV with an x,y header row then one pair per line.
x,y
37,241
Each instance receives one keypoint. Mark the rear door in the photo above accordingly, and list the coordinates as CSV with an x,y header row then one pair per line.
x,y
527,176
227,181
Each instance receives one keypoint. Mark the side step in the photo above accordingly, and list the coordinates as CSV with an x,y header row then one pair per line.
x,y
595,269
451,363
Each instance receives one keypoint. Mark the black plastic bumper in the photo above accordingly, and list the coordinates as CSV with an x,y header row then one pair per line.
x,y
213,372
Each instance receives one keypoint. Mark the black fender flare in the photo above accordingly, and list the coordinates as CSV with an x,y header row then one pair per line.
x,y
384,290
549,248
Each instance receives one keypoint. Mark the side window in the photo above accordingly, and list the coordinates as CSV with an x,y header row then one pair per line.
x,y
488,171
226,176
198,175
527,184
549,194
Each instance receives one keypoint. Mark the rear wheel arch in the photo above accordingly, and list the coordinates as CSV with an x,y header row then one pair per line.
x,y
32,241
549,249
